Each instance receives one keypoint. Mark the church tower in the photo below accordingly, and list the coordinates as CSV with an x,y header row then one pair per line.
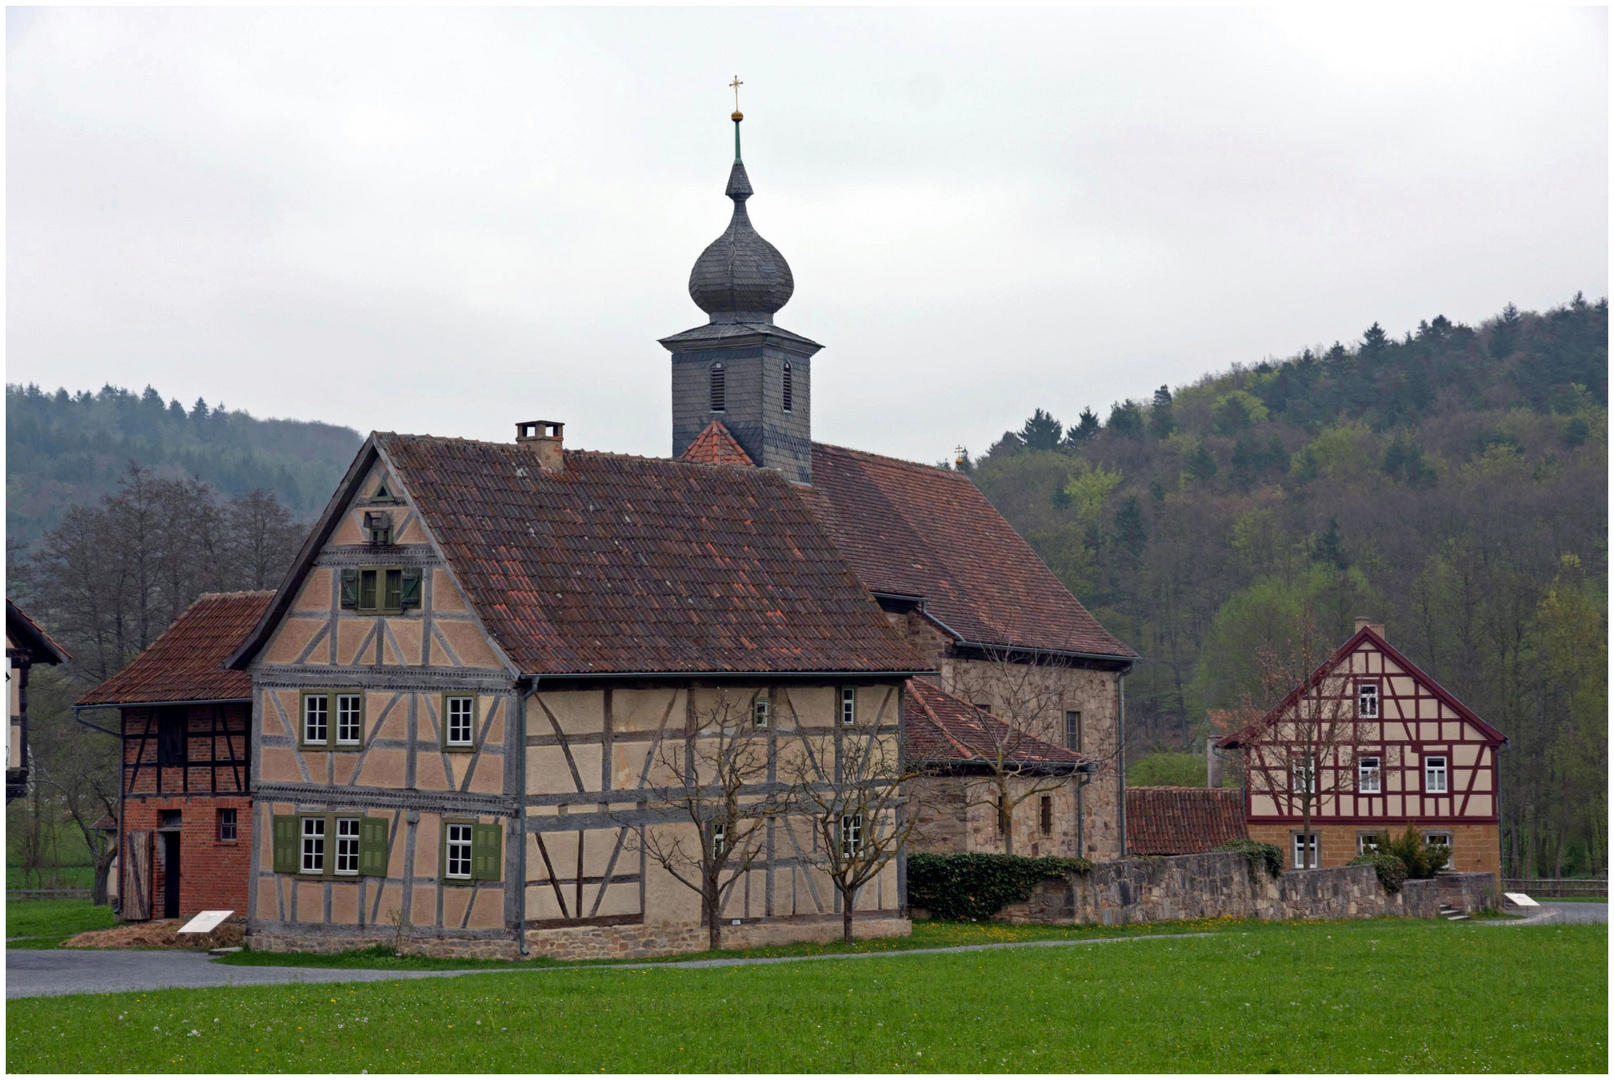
x,y
740,369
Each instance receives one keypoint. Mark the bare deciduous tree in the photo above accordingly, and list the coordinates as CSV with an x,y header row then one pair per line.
x,y
851,787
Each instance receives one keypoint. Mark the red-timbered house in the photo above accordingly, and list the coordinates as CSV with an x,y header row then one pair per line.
x,y
185,831
1373,744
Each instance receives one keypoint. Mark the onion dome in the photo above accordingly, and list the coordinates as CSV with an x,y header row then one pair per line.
x,y
740,277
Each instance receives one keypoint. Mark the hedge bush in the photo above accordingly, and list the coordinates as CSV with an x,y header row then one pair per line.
x,y
1262,856
1422,860
1391,870
978,885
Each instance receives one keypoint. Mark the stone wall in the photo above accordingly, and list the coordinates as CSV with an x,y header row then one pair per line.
x,y
635,941
1226,884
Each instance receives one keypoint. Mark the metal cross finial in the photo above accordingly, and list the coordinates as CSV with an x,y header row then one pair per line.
x,y
735,85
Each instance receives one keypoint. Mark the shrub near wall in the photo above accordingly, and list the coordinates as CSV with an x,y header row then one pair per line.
x,y
977,885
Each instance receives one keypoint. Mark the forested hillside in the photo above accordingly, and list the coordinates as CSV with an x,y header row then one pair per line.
x,y
64,449
1451,484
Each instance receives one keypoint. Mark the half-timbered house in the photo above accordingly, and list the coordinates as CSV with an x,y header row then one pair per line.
x,y
1373,744
185,824
26,645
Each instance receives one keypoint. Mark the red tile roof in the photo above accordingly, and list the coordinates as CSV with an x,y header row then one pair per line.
x,y
1182,820
618,564
27,634
943,729
715,445
183,664
916,530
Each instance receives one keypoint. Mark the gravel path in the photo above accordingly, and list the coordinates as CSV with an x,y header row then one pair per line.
x,y
48,972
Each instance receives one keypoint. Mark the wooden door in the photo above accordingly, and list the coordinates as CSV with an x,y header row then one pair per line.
x,y
137,876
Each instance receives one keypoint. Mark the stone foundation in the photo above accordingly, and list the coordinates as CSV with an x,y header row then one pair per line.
x,y
500,948
1223,884
634,942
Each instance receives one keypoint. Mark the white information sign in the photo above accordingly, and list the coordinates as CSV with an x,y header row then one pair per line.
x,y
1518,899
205,922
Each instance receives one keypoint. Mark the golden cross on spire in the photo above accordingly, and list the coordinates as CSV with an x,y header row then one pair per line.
x,y
735,85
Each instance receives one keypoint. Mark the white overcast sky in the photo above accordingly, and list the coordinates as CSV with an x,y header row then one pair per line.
x,y
448,220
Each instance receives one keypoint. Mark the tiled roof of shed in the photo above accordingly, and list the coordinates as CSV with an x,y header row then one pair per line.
x,y
918,530
715,445
1182,820
27,634
618,564
183,664
943,729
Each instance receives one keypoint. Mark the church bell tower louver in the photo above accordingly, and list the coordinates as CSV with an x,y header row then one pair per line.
x,y
740,368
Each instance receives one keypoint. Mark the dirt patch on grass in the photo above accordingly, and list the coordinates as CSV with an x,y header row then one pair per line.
x,y
158,934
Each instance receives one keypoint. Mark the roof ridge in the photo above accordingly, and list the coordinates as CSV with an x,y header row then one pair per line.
x,y
886,457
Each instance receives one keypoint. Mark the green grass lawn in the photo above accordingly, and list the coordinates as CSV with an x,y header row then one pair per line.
x,y
1374,996
45,924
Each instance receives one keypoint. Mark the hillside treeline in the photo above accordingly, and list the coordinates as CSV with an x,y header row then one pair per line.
x,y
1451,484
71,449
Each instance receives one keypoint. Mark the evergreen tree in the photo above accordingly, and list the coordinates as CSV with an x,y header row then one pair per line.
x,y
1161,421
1328,550
1085,428
1505,333
1201,464
1041,432
1125,419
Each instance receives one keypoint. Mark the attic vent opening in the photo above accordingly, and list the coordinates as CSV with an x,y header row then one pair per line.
x,y
789,389
717,391
383,493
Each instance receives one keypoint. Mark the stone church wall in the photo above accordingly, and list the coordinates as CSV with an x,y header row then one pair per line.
x,y
949,824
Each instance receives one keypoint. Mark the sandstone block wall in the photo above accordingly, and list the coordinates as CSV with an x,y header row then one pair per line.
x,y
1226,884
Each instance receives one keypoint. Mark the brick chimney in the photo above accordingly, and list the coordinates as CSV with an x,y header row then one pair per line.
x,y
1364,620
545,436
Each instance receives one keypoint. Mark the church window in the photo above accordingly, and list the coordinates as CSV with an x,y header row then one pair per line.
x,y
848,706
717,392
1073,730
789,388
1367,701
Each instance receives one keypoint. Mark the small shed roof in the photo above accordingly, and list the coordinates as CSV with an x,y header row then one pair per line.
x,y
184,664
1182,820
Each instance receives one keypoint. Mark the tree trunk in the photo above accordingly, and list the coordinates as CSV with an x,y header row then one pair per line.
x,y
846,915
714,928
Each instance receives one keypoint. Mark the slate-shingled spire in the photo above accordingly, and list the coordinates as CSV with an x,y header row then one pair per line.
x,y
737,367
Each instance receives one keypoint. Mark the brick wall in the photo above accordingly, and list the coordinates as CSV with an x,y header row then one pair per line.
x,y
1475,848
212,873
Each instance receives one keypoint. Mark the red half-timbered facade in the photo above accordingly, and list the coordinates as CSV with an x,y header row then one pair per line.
x,y
1380,745
185,830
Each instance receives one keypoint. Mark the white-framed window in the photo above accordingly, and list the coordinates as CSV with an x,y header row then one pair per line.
x,y
458,850
1367,701
313,845
1366,842
1441,838
848,706
316,718
347,845
1305,851
760,709
461,716
1367,775
1434,774
720,839
851,835
1305,776
349,710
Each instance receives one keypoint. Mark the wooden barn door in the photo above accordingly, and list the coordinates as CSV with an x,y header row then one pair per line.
x,y
137,876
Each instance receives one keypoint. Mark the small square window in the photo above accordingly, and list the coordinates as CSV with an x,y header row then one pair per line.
x,y
227,826
168,819
1367,775
460,717
1367,701
848,706
313,845
458,851
760,709
1434,774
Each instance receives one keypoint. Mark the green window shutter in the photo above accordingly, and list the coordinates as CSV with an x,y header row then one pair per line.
x,y
285,843
411,588
373,846
350,587
485,852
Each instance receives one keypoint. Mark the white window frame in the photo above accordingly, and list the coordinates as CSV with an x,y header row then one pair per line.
x,y
1431,771
312,834
1431,838
1369,778
347,846
848,706
720,838
324,717
1296,855
851,835
760,713
349,719
459,719
1365,844
457,850
1367,701
1307,770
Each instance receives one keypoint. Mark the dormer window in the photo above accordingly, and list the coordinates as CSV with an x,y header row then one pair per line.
x,y
789,388
377,527
717,392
